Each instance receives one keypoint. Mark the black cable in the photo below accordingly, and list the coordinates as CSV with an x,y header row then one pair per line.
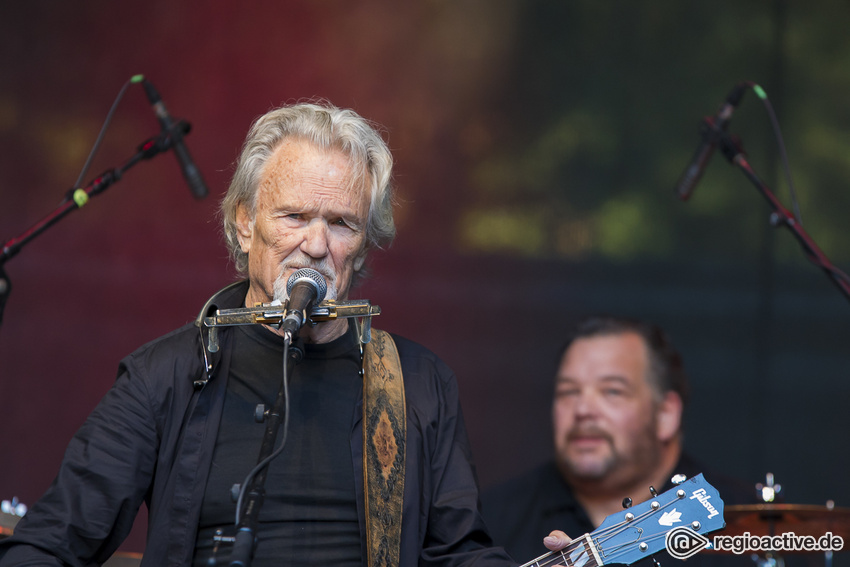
x,y
813,258
133,80
265,462
782,152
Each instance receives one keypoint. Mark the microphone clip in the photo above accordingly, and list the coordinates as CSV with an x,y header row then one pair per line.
x,y
167,139
719,137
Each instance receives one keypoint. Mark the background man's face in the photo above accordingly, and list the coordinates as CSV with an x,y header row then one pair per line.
x,y
604,411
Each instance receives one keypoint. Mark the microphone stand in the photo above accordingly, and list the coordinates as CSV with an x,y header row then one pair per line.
x,y
245,540
733,151
78,197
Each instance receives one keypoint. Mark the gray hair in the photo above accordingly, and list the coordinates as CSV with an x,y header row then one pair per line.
x,y
327,127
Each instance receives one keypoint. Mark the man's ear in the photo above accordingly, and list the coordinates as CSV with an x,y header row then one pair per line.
x,y
244,228
360,259
669,416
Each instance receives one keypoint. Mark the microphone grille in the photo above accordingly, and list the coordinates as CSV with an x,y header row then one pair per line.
x,y
313,277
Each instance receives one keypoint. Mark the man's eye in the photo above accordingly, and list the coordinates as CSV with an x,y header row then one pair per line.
x,y
613,392
343,223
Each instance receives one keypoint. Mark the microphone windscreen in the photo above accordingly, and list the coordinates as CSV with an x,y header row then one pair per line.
x,y
311,276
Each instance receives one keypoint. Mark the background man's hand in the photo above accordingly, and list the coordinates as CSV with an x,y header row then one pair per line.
x,y
556,540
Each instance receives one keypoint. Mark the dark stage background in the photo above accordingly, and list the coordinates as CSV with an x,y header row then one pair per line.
x,y
537,145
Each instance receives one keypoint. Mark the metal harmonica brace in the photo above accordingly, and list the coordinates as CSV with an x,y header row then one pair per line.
x,y
272,315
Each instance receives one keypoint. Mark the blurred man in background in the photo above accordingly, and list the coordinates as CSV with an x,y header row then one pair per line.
x,y
620,392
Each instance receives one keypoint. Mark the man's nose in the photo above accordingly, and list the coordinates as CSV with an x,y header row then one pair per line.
x,y
315,243
587,405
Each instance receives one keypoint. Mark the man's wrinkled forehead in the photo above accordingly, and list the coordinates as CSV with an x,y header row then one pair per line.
x,y
337,170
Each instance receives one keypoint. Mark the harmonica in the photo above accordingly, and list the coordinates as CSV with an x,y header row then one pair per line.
x,y
270,314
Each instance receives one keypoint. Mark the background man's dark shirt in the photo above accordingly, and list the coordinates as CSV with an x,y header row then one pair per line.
x,y
520,510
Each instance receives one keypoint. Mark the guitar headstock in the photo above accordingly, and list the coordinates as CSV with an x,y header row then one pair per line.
x,y
640,531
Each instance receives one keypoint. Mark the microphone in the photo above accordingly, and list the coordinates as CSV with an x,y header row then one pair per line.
x,y
187,166
711,129
305,287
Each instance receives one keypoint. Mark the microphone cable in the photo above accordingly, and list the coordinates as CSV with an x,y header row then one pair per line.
x,y
135,79
265,462
810,254
783,154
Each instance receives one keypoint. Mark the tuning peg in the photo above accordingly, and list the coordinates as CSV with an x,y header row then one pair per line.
x,y
627,502
678,479
657,564
652,491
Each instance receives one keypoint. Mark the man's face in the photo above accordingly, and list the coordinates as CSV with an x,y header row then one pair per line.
x,y
308,215
604,413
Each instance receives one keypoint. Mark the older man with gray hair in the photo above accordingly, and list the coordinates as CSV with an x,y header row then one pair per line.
x,y
358,478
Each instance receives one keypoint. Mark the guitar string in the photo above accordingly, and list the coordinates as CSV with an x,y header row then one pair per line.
x,y
612,551
619,528
553,557
599,540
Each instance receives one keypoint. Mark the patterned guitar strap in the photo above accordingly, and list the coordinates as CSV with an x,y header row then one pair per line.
x,y
384,436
